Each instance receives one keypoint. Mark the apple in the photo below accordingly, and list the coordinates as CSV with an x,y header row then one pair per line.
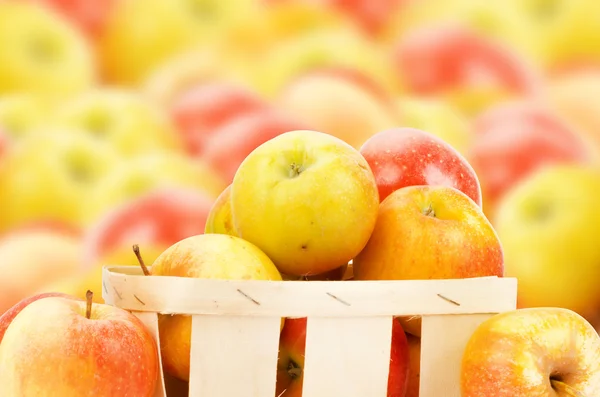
x,y
429,232
290,363
468,70
77,282
220,218
296,194
342,102
33,257
60,346
139,175
372,16
233,141
47,176
548,225
203,108
21,113
4,144
401,157
41,53
547,351
337,274
121,117
437,117
414,366
514,140
215,256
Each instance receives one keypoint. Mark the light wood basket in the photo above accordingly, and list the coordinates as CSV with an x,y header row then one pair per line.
x,y
235,328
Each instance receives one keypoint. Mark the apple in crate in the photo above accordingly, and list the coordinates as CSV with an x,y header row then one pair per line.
x,y
61,346
546,351
402,157
307,199
290,363
220,218
214,256
429,232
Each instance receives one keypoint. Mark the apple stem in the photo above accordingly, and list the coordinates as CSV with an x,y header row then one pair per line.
x,y
565,389
136,251
429,211
295,170
89,296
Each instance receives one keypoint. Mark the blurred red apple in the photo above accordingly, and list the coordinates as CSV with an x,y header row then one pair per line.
x,y
402,157
201,109
290,363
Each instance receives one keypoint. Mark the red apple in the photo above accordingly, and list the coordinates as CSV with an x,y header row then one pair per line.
x,y
403,157
201,109
230,144
290,363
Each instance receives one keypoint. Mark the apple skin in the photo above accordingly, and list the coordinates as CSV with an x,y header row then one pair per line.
x,y
292,345
401,157
548,222
51,349
220,218
294,195
22,113
214,256
519,352
201,109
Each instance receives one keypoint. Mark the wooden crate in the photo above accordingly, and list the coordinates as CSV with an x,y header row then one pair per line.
x,y
235,328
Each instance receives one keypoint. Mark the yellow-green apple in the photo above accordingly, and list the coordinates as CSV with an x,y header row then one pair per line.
x,y
232,142
290,362
401,157
513,140
414,366
32,258
546,351
22,113
437,117
343,102
548,225
60,346
429,232
138,175
47,176
220,218
204,107
131,48
215,256
41,53
468,70
121,117
295,194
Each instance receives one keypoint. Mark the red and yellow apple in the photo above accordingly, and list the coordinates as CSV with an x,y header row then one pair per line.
x,y
401,157
545,351
296,194
59,346
220,218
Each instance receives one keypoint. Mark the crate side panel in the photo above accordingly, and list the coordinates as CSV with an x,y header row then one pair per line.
x,y
347,357
234,356
150,320
443,341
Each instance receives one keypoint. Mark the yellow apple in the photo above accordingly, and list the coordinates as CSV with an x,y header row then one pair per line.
x,y
549,226
220,219
41,52
295,196
215,256
22,113
532,352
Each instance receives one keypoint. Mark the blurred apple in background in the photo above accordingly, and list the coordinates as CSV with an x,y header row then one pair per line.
x,y
4,143
468,70
31,258
42,53
47,176
121,117
204,107
549,226
402,157
22,113
437,117
229,144
343,102
515,139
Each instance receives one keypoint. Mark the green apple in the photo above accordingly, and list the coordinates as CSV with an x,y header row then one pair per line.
x,y
21,113
549,226
40,52
123,118
47,176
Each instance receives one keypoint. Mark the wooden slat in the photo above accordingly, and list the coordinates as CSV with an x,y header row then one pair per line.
x,y
150,320
443,341
317,298
347,356
234,356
